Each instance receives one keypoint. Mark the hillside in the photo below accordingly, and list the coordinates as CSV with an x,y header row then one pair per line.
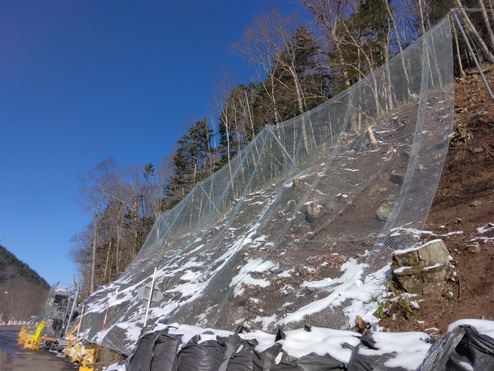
x,y
299,227
463,209
461,215
22,290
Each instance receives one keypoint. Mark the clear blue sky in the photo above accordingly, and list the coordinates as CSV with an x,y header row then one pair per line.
x,y
83,80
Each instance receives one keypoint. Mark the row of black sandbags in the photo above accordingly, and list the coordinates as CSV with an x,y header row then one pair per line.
x,y
159,351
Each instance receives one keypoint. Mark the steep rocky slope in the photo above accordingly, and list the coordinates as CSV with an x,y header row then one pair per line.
x,y
462,212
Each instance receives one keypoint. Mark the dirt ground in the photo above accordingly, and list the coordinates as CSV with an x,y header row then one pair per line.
x,y
463,203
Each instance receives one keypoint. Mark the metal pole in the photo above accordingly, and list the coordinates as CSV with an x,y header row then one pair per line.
x,y
103,326
101,334
72,309
150,297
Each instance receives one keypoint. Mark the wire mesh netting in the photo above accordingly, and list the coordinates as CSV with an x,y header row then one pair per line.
x,y
350,180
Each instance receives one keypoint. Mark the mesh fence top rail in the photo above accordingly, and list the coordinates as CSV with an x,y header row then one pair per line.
x,y
310,209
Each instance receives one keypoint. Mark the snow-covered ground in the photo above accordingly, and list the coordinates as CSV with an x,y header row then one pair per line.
x,y
362,298
405,351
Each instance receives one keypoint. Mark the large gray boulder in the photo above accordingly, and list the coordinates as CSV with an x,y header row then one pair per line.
x,y
385,210
422,269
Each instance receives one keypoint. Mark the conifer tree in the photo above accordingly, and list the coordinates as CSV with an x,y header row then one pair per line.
x,y
193,159
365,38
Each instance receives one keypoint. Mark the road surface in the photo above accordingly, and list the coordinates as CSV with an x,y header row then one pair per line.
x,y
14,357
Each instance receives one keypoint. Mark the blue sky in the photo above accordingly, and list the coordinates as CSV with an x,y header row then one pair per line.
x,y
83,80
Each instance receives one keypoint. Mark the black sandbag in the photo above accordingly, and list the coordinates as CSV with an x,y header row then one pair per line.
x,y
309,362
201,356
240,355
165,352
361,362
271,355
140,360
231,344
463,345
246,359
315,362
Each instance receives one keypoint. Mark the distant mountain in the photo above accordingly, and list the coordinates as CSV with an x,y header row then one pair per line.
x,y
22,291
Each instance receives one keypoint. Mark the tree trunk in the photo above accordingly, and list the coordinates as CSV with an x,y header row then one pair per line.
x,y
490,34
135,214
400,47
474,33
93,257
117,249
458,52
322,13
106,274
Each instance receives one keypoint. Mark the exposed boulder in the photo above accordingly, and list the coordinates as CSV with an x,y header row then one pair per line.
x,y
422,269
297,183
397,179
385,210
311,212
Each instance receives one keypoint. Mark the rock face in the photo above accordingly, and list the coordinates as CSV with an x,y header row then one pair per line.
x,y
422,270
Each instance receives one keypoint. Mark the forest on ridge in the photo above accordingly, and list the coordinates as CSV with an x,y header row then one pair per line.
x,y
22,291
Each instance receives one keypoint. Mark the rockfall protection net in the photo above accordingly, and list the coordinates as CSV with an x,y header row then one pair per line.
x,y
268,234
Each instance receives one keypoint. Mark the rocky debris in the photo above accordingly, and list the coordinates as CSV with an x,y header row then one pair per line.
x,y
311,212
361,325
385,210
422,269
397,179
460,136
296,183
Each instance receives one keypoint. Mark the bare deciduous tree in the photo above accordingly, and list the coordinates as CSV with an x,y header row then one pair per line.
x,y
329,14
268,43
93,195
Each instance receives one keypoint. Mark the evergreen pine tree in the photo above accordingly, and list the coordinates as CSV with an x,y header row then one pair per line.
x,y
193,158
